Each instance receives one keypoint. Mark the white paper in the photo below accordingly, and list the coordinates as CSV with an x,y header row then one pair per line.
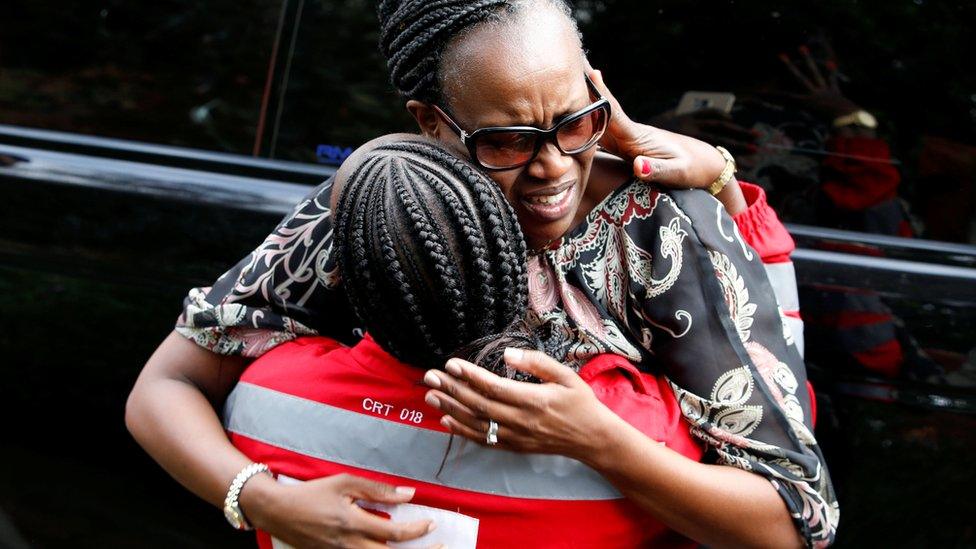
x,y
454,530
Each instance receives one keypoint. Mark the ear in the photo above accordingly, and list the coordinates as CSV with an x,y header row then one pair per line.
x,y
426,118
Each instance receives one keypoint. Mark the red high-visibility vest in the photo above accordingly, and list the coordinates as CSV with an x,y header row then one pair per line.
x,y
313,408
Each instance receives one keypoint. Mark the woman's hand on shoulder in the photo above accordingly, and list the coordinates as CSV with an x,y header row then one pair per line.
x,y
561,416
324,513
673,160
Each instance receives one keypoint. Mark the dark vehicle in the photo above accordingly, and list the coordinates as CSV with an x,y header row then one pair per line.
x,y
162,163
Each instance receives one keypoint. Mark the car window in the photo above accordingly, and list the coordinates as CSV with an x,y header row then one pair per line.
x,y
178,73
331,89
852,114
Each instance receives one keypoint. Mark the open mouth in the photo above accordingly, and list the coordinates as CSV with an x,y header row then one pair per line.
x,y
551,204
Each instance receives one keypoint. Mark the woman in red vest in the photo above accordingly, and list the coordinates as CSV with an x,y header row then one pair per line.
x,y
313,408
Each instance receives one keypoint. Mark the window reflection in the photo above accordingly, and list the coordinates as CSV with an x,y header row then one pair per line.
x,y
796,70
179,73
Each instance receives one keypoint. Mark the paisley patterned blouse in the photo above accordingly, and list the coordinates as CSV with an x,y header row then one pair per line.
x,y
662,278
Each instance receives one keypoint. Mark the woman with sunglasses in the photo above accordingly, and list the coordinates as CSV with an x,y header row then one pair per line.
x,y
325,395
616,268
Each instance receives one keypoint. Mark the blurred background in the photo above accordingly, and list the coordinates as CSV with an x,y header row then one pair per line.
x,y
146,146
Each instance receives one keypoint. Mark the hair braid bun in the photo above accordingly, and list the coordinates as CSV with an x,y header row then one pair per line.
x,y
431,254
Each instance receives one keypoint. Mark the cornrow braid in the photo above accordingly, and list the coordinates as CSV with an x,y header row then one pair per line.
x,y
431,253
414,34
502,263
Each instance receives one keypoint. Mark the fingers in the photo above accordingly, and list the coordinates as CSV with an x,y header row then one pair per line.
x,y
477,435
812,66
541,366
493,386
617,114
380,492
475,428
649,169
796,72
832,77
381,529
455,397
456,410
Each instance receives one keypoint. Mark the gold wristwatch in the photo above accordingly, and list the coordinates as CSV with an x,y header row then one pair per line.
x,y
727,173
232,507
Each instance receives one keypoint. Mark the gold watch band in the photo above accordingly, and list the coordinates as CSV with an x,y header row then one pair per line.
x,y
727,173
860,118
232,507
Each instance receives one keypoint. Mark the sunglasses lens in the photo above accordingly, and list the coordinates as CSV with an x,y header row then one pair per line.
x,y
499,150
582,133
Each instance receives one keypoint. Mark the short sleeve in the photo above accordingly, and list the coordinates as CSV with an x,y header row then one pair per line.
x,y
707,314
287,287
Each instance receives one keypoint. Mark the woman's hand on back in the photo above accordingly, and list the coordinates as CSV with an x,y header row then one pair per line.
x,y
560,416
673,160
324,512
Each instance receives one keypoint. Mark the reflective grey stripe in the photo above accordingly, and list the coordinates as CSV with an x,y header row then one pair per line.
x,y
358,440
796,329
782,276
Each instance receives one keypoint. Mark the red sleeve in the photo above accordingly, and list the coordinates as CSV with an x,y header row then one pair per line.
x,y
858,173
761,227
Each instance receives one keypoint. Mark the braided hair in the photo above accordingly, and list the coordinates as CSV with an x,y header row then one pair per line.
x,y
431,253
415,34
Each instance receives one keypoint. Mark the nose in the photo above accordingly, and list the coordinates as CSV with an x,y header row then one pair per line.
x,y
550,163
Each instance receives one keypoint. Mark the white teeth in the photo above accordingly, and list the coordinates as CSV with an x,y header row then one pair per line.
x,y
548,199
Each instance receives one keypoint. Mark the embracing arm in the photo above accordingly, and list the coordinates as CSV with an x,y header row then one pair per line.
x,y
716,505
172,410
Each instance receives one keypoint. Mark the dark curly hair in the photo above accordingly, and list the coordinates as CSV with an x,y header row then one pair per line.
x,y
431,253
415,34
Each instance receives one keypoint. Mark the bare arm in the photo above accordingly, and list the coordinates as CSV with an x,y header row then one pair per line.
x,y
171,413
716,505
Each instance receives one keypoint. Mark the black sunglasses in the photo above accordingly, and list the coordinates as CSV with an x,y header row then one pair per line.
x,y
508,147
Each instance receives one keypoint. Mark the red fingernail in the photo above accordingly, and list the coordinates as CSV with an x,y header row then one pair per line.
x,y
804,50
831,65
645,166
784,57
752,148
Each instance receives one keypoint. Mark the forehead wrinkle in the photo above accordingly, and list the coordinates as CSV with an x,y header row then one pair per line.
x,y
524,71
510,87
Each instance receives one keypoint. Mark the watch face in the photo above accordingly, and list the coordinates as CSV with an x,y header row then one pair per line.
x,y
234,517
